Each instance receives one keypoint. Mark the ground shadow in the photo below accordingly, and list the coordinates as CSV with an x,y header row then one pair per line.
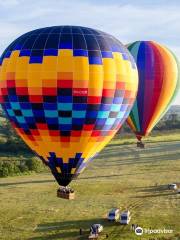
x,y
138,155
4,184
133,160
154,191
67,229
156,195
26,182
108,176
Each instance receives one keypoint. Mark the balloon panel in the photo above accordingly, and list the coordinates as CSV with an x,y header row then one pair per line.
x,y
67,90
158,85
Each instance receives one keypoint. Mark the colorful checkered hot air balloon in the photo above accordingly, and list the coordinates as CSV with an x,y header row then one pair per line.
x,y
67,90
159,83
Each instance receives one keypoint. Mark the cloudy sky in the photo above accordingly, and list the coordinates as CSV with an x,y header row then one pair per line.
x,y
128,20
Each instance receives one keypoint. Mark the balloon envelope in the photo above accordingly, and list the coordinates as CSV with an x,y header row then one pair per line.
x,y
158,71
67,90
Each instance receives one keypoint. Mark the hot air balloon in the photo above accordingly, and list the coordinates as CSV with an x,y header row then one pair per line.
x,y
67,90
159,83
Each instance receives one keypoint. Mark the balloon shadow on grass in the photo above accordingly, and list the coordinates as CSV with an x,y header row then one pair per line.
x,y
156,195
155,191
66,229
53,181
26,182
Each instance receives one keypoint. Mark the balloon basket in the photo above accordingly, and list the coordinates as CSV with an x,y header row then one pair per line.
x,y
66,193
140,145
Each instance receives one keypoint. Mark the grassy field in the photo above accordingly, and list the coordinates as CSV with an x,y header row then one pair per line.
x,y
122,176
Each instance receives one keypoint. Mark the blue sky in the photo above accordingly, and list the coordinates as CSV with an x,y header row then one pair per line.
x,y
128,20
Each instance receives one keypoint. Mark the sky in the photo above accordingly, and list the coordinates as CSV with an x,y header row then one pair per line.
x,y
127,20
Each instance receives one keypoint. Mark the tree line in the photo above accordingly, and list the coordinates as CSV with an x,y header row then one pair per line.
x,y
11,143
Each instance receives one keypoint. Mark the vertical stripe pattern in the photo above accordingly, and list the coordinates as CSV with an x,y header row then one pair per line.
x,y
158,70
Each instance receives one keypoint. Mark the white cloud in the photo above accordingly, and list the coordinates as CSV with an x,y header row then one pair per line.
x,y
126,21
8,33
8,30
8,3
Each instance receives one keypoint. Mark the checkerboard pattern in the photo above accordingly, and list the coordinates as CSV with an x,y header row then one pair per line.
x,y
67,90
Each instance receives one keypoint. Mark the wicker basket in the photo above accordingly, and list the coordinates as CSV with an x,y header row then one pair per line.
x,y
65,195
140,145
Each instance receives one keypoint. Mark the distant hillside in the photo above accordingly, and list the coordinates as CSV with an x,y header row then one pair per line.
x,y
175,109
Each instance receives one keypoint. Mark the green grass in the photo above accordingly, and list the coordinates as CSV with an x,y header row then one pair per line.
x,y
155,136
122,176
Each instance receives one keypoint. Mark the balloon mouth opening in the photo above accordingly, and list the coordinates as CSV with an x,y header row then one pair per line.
x,y
140,144
64,179
139,137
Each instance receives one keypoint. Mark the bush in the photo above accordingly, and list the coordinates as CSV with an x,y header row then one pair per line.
x,y
34,164
23,168
11,168
6,169
4,172
17,170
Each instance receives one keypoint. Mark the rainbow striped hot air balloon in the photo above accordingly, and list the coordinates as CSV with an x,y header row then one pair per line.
x,y
159,81
67,90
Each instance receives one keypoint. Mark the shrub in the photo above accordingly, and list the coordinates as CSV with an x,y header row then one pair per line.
x,y
11,168
34,164
5,169
23,168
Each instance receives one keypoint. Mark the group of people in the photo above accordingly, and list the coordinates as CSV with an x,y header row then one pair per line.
x,y
94,230
66,190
